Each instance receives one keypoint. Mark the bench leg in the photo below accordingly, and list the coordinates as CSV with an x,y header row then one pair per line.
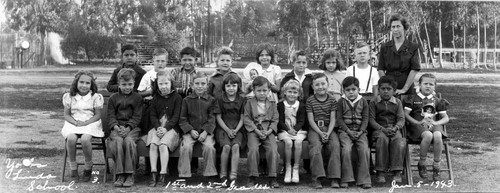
x,y
448,160
409,175
64,163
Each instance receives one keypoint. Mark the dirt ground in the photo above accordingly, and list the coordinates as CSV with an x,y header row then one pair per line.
x,y
31,119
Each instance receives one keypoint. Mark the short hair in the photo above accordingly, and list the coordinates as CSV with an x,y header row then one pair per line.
x,y
162,73
427,75
403,21
296,55
188,51
269,49
331,53
291,84
159,52
350,80
128,47
225,51
260,81
200,74
74,86
389,80
126,74
361,44
318,76
231,78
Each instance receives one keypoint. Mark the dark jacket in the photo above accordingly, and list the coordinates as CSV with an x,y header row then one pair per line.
x,y
215,87
169,106
124,110
352,117
384,113
270,120
113,81
197,113
301,118
306,85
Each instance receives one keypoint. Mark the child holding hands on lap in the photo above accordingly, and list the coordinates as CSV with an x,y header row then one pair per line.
x,y
229,133
352,116
321,108
429,129
292,116
261,120
164,136
82,114
124,114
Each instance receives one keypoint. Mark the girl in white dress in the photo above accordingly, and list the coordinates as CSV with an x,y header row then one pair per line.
x,y
82,114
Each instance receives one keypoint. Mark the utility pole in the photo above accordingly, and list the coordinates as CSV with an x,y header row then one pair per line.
x,y
207,42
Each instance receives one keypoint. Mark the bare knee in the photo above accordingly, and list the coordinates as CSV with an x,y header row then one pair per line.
x,y
236,147
426,135
71,138
153,147
288,142
226,149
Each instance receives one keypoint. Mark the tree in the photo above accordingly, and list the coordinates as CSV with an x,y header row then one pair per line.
x,y
293,18
40,17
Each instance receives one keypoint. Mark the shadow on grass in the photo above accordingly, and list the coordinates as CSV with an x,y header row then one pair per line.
x,y
43,142
30,152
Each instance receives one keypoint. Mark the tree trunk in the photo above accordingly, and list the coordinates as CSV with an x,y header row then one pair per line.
x,y
317,35
421,47
478,54
440,46
42,49
485,54
453,43
465,56
495,44
338,33
429,45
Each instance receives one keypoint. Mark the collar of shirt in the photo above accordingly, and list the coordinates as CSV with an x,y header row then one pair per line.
x,y
392,99
301,79
352,102
294,106
87,97
194,95
422,96
226,99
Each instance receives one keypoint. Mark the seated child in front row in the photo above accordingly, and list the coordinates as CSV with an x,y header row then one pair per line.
x,y
124,114
229,115
321,108
428,129
352,116
291,128
82,114
165,111
197,122
261,120
387,119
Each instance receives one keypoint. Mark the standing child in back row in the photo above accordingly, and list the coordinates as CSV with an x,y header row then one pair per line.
x,y
387,120
352,116
428,129
334,69
229,131
366,74
82,114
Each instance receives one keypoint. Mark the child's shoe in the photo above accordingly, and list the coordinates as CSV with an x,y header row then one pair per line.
x,y
120,180
380,177
86,175
273,183
288,173
344,185
397,177
152,183
129,181
162,180
74,175
251,181
316,184
436,176
295,173
367,186
223,180
335,183
422,170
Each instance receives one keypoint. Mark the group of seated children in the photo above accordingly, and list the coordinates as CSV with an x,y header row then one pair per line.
x,y
214,110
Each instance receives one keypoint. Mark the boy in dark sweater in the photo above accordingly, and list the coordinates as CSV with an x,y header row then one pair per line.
x,y
124,114
197,122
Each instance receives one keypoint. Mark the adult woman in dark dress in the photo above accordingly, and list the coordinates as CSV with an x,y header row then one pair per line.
x,y
399,57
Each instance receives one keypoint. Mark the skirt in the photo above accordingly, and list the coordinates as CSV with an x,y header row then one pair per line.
x,y
170,139
94,129
415,131
301,135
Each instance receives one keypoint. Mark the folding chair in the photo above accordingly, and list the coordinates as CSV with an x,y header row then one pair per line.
x,y
97,144
409,167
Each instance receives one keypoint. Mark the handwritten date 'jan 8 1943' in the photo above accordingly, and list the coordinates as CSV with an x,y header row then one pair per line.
x,y
20,171
434,184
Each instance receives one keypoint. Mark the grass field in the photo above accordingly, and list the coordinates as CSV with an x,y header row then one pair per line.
x,y
31,117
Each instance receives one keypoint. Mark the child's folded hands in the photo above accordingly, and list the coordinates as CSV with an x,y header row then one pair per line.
x,y
194,134
160,132
292,132
202,136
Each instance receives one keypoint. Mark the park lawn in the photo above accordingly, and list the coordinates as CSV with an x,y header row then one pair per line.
x,y
31,118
